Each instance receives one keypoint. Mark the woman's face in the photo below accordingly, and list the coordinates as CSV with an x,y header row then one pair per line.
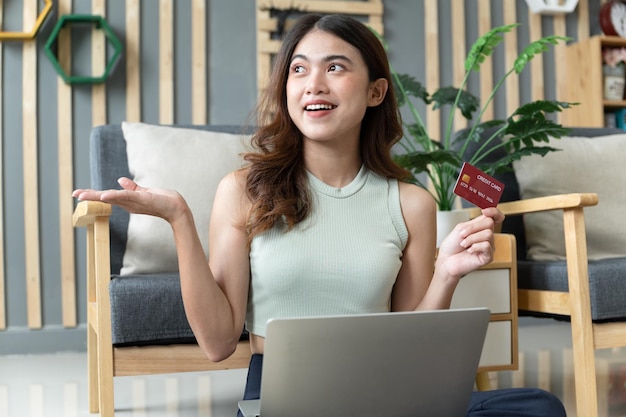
x,y
328,88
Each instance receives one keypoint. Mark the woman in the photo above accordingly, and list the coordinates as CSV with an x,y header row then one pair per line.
x,y
319,221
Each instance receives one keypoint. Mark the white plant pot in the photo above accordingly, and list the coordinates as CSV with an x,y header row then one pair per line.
x,y
447,220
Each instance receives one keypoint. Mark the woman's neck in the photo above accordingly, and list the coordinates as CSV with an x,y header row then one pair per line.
x,y
336,169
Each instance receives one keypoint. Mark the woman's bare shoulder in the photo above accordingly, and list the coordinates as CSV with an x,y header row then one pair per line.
x,y
235,180
231,196
414,198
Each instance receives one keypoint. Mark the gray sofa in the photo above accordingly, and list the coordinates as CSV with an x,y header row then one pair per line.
x,y
590,294
159,318
147,309
136,324
607,277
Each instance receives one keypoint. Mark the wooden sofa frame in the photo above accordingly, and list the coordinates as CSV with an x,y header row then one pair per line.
x,y
587,336
106,361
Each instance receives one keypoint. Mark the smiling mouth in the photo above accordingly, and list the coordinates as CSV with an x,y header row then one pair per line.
x,y
317,107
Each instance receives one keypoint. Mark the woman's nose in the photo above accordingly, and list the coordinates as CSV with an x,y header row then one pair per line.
x,y
316,83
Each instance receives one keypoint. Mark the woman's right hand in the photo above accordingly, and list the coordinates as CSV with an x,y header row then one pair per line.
x,y
134,198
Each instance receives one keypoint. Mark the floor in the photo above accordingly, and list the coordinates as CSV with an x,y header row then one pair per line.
x,y
55,385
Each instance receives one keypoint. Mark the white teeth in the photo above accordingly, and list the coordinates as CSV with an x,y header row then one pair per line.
x,y
319,107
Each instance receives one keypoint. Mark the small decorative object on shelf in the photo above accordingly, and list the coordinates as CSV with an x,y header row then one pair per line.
x,y
614,72
610,120
620,118
552,6
613,18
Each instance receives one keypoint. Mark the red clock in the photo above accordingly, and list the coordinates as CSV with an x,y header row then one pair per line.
x,y
613,18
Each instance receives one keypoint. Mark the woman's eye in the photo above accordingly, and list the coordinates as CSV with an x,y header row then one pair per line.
x,y
297,68
335,67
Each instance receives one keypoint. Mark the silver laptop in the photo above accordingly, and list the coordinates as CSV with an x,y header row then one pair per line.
x,y
389,365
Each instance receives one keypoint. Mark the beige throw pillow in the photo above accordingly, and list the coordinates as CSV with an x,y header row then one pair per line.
x,y
189,161
584,165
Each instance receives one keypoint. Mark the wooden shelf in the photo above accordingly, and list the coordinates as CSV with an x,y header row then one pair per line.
x,y
585,82
615,104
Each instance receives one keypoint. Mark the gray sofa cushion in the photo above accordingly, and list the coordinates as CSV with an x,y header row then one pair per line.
x,y
145,309
606,284
148,310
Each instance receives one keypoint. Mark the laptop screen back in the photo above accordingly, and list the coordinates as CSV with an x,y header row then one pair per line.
x,y
391,364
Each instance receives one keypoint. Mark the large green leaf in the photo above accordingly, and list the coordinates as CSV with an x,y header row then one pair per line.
x,y
411,88
418,162
467,103
483,47
504,163
544,106
467,136
535,48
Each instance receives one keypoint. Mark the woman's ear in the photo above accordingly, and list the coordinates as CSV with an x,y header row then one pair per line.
x,y
377,92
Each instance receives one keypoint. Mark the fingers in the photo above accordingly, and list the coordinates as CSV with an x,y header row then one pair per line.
x,y
477,234
476,225
494,213
481,228
84,195
128,184
484,235
96,195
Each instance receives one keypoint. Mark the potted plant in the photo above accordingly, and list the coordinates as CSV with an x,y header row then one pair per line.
x,y
442,159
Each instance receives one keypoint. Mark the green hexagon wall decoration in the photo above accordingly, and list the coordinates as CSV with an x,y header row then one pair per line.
x,y
100,23
28,36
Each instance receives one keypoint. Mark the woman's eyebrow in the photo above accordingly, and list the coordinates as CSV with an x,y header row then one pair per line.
x,y
327,58
337,58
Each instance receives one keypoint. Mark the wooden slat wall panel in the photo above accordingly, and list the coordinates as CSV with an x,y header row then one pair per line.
x,y
166,64
536,65
486,76
560,58
30,167
266,47
98,65
3,310
370,7
66,174
431,27
583,19
459,52
133,85
510,54
198,65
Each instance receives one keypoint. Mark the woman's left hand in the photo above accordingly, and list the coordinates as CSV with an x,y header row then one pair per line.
x,y
470,245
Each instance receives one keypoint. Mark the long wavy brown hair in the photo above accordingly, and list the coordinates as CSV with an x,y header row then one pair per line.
x,y
277,183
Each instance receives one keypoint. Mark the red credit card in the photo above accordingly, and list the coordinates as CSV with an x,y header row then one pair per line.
x,y
477,187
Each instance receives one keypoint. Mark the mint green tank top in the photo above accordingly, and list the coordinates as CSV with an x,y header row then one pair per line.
x,y
342,259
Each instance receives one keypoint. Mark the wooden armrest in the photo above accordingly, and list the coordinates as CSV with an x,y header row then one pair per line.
x,y
504,251
553,202
87,211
